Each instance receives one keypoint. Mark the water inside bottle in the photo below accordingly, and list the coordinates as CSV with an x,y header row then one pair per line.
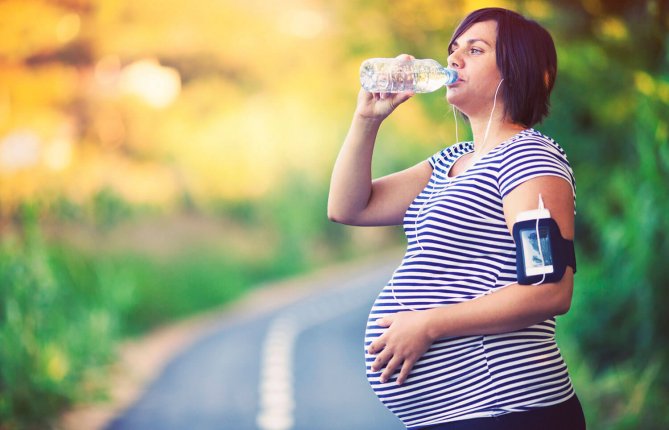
x,y
382,75
428,80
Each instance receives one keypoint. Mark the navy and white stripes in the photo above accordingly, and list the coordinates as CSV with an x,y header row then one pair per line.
x,y
459,248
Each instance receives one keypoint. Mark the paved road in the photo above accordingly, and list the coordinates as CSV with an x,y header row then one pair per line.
x,y
299,367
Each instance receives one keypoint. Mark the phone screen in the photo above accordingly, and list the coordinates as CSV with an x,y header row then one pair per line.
x,y
536,251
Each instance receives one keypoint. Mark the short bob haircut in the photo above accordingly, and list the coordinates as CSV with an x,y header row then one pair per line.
x,y
526,59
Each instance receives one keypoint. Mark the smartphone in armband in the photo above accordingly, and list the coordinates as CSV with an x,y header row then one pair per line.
x,y
542,254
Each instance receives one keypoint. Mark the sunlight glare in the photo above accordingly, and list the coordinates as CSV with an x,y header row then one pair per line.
x,y
304,23
19,150
157,85
58,153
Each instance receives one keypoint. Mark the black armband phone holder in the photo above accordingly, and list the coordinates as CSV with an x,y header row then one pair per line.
x,y
542,254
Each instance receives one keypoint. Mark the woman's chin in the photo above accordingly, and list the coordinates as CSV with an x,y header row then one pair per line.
x,y
453,98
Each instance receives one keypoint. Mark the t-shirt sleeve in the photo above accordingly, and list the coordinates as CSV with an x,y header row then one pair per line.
x,y
436,159
442,160
532,158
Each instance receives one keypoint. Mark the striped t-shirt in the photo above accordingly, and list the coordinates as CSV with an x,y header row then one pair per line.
x,y
459,248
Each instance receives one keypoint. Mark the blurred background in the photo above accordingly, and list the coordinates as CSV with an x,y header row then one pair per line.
x,y
161,158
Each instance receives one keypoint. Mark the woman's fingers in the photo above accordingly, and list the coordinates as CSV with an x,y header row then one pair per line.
x,y
377,346
404,96
381,360
405,57
393,364
404,373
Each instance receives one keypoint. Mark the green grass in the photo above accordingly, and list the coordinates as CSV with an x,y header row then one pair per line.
x,y
52,333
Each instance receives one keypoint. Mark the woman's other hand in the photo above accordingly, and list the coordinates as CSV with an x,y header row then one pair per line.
x,y
404,342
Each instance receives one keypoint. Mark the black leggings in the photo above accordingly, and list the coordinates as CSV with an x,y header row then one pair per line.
x,y
567,415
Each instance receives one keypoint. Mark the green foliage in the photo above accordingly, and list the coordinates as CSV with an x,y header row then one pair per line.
x,y
108,208
181,285
628,395
610,111
616,134
53,331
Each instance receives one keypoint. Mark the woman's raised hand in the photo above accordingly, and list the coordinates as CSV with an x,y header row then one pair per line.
x,y
378,106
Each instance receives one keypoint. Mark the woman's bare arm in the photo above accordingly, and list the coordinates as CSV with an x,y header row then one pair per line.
x,y
354,197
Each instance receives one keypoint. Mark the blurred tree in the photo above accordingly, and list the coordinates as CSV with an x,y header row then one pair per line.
x,y
616,132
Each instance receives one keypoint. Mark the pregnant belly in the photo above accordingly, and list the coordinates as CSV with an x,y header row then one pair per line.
x,y
450,379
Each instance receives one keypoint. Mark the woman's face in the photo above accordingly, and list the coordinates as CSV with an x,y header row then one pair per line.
x,y
473,56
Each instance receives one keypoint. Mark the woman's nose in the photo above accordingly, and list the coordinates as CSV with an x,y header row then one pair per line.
x,y
454,60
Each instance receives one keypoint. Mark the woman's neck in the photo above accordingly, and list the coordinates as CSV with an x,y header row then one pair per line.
x,y
498,132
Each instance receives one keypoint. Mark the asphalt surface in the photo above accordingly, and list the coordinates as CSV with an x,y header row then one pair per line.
x,y
296,367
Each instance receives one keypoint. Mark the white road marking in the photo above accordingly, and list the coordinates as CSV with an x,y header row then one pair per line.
x,y
276,376
276,393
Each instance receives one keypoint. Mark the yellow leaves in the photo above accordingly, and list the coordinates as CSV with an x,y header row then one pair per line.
x,y
663,92
662,136
68,27
470,5
644,83
612,28
33,94
538,9
242,147
219,98
148,182
57,365
594,7
304,23
28,27
423,14
651,87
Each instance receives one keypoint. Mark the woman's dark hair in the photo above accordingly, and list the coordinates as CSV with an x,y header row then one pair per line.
x,y
526,59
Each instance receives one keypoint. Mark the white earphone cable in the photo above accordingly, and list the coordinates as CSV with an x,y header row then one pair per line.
x,y
541,251
455,119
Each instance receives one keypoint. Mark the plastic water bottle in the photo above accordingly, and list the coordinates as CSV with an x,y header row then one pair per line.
x,y
391,75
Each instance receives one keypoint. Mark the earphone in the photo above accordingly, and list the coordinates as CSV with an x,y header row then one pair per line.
x,y
487,129
541,250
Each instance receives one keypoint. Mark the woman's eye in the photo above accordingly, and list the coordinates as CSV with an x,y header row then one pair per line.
x,y
476,51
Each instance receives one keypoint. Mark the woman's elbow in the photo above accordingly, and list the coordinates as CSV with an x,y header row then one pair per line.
x,y
564,294
333,213
563,306
339,216
342,213
334,217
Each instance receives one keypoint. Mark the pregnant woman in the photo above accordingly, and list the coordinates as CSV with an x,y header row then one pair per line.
x,y
453,341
